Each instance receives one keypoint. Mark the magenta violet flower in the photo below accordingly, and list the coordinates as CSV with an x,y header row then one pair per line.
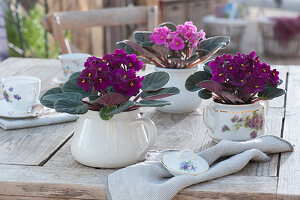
x,y
116,71
242,79
177,44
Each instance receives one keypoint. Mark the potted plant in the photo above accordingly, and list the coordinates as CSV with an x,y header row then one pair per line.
x,y
237,85
110,133
177,50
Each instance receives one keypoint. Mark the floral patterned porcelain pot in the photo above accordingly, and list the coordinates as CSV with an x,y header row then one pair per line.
x,y
235,122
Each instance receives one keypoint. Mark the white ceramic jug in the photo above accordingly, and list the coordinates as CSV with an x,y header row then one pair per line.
x,y
234,122
114,143
185,101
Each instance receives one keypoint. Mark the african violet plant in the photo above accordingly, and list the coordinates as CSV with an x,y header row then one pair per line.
x,y
109,85
171,46
241,79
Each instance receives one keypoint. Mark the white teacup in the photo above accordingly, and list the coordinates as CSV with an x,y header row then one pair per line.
x,y
21,92
73,62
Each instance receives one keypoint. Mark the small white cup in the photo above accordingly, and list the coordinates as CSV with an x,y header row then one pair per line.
x,y
73,62
21,92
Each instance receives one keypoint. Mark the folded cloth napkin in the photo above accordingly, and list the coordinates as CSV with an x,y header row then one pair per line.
x,y
151,181
42,120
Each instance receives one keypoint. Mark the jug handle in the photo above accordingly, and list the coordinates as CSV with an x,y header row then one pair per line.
x,y
266,105
207,124
151,134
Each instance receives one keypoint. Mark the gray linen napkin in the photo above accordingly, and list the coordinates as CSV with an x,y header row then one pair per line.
x,y
42,120
151,181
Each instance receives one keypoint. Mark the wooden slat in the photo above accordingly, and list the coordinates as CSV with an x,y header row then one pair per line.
x,y
32,146
90,184
279,102
289,170
177,131
64,159
105,17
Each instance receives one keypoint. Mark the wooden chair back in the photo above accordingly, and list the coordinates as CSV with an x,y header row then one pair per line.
x,y
57,22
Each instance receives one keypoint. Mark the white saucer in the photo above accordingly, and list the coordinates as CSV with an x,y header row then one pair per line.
x,y
60,80
185,162
36,109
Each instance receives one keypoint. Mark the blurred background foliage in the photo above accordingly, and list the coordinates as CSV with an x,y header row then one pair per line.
x,y
26,35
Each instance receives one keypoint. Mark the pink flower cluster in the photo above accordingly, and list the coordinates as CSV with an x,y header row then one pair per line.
x,y
115,72
185,36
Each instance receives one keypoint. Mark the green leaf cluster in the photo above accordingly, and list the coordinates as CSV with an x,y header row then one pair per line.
x,y
161,56
74,100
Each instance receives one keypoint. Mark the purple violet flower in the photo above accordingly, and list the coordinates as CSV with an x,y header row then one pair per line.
x,y
11,89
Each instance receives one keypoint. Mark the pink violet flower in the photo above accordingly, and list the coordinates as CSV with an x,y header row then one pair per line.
x,y
177,44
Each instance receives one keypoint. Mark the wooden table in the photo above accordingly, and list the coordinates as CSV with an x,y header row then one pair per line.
x,y
36,163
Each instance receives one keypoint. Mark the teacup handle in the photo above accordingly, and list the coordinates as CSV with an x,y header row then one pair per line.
x,y
151,134
207,109
32,95
180,154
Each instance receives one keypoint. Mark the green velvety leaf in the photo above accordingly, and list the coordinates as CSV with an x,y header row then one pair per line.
x,y
121,45
126,48
206,67
72,86
211,45
111,99
231,97
139,50
192,58
147,44
270,93
202,52
50,99
74,75
155,81
122,107
204,94
152,103
142,36
46,103
212,86
70,106
192,81
170,25
159,94
103,113
93,98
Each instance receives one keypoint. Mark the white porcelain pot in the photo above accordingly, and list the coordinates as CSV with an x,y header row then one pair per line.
x,y
234,122
114,143
185,101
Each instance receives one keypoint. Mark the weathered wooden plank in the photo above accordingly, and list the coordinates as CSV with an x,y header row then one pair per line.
x,y
90,184
289,170
64,159
279,102
232,188
14,197
177,131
